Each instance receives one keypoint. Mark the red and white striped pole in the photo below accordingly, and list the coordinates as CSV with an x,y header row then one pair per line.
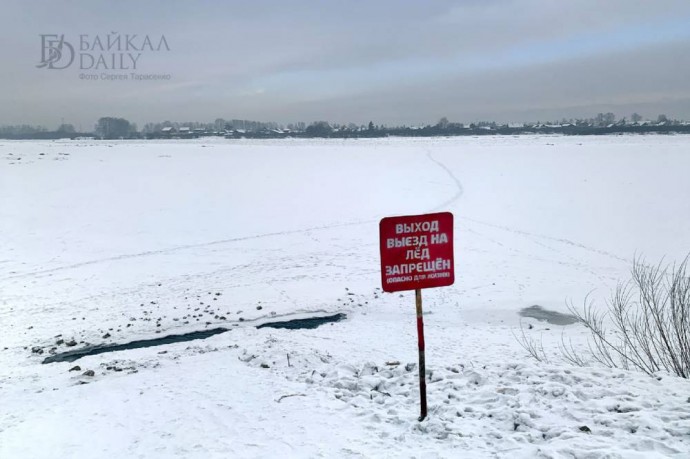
x,y
420,345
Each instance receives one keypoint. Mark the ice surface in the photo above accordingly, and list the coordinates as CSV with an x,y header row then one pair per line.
x,y
119,241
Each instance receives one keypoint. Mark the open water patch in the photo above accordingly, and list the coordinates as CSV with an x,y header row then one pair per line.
x,y
293,324
71,356
552,317
306,323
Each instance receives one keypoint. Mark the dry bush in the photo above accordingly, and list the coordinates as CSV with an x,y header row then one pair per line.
x,y
533,347
646,325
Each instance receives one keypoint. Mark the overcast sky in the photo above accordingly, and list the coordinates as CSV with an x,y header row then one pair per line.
x,y
393,62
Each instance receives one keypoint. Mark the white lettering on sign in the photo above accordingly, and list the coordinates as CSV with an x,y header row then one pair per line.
x,y
404,228
409,241
439,238
438,275
395,280
439,264
418,254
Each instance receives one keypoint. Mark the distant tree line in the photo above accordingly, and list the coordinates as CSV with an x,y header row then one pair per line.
x,y
115,128
25,131
120,128
218,126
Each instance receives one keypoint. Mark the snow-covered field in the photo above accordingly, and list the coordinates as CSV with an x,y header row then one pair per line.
x,y
136,240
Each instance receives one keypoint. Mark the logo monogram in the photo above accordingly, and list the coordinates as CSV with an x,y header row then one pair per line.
x,y
56,53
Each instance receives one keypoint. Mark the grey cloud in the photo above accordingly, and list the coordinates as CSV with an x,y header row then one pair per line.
x,y
224,52
654,76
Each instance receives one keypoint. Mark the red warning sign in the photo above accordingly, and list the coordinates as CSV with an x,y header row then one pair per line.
x,y
417,251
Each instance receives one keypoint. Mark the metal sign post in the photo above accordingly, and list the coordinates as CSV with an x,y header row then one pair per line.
x,y
420,345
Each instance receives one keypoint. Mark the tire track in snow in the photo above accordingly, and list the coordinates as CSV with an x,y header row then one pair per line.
x,y
179,248
533,236
457,195
459,189
182,248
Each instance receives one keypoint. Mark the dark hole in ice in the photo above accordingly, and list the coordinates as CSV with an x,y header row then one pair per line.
x,y
310,322
71,356
552,317
294,324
